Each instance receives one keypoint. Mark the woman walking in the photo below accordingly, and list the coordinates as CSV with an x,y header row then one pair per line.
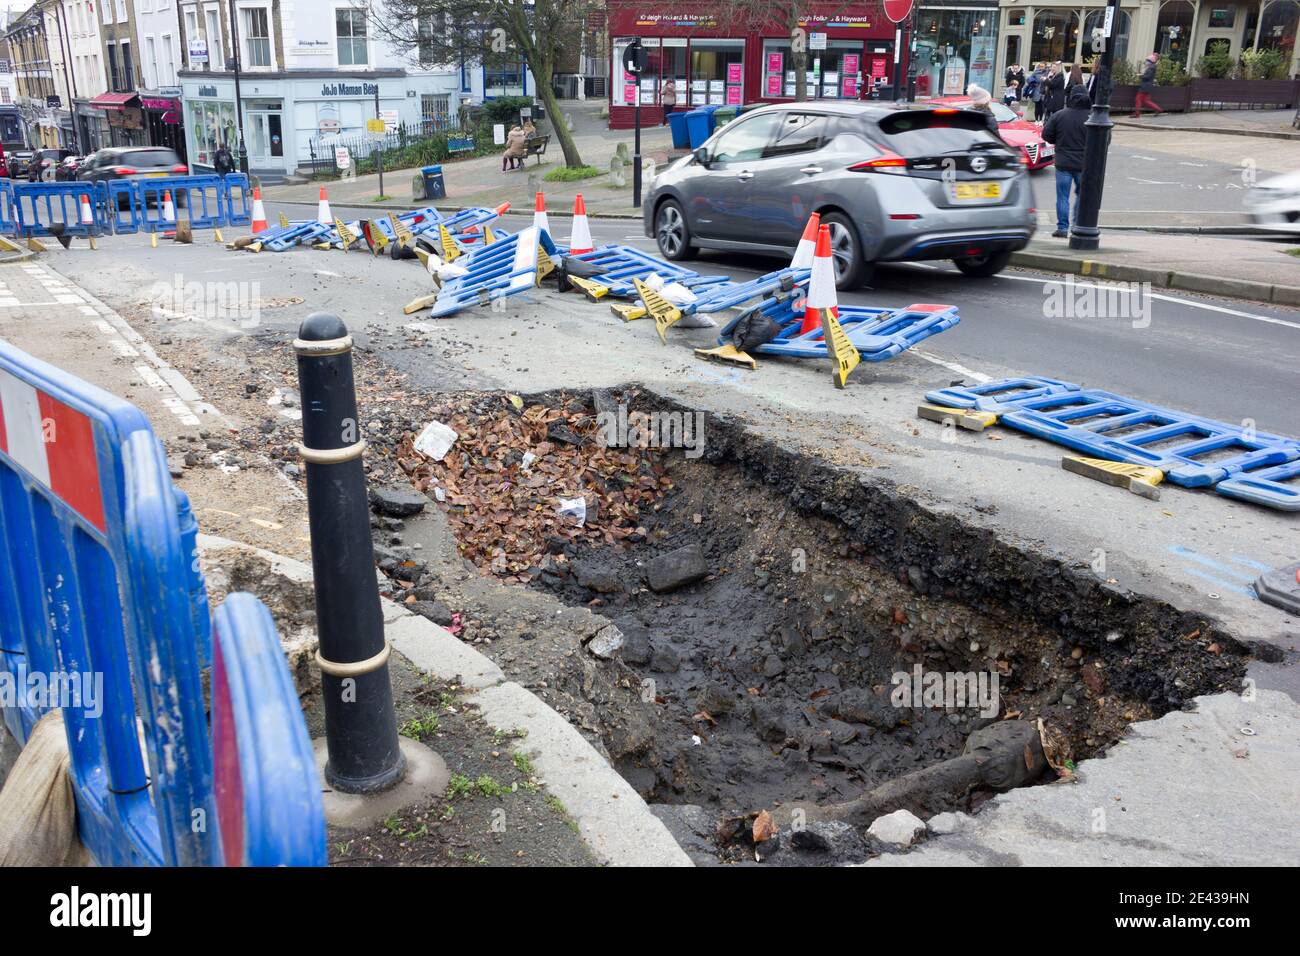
x,y
668,97
1054,90
1147,87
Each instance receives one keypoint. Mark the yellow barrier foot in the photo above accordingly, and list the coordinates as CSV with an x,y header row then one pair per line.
x,y
969,419
1139,479
423,302
35,245
844,357
664,312
728,353
628,313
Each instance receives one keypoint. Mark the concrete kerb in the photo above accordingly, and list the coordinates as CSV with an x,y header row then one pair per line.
x,y
1162,278
1226,131
612,818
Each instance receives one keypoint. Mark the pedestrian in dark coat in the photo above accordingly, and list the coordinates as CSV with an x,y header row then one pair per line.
x,y
1066,129
1054,90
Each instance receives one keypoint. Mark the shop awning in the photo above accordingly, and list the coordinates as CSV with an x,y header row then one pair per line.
x,y
159,104
113,101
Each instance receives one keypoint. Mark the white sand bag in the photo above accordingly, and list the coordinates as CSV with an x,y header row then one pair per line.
x,y
38,813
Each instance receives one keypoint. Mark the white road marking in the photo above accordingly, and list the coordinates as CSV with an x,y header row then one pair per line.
x,y
1168,298
961,370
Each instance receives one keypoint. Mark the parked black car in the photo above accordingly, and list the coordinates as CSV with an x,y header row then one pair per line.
x,y
131,162
66,171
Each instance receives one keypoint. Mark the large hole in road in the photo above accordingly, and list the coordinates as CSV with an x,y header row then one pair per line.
x,y
775,680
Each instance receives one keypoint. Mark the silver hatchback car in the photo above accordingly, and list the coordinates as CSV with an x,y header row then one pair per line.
x,y
892,185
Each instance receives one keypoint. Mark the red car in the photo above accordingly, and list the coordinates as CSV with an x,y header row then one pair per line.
x,y
1025,135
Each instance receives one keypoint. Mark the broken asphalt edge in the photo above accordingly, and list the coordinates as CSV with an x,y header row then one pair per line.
x,y
1216,785
1284,295
612,819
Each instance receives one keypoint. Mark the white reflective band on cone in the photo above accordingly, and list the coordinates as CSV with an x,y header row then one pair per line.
x,y
803,254
821,287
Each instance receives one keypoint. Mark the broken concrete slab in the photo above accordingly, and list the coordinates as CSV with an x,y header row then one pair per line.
x,y
397,502
676,569
1216,786
901,828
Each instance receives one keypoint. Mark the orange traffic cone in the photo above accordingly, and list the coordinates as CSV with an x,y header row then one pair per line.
x,y
539,214
323,213
501,209
259,211
88,218
821,285
580,236
169,214
803,253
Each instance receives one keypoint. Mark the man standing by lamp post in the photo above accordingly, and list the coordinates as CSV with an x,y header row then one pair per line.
x,y
1084,233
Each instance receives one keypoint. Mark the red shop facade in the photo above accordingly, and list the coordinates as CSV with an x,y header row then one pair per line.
x,y
711,61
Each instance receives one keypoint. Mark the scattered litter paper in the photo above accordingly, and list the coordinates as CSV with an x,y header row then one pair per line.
x,y
435,440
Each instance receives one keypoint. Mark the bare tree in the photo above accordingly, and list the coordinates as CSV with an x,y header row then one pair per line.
x,y
493,32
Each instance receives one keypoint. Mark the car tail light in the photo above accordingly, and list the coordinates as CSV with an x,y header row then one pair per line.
x,y
945,111
886,162
126,170
180,168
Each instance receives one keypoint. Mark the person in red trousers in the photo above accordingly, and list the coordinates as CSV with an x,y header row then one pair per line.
x,y
1147,87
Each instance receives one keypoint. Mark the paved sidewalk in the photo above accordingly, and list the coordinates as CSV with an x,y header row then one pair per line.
x,y
1269,123
1259,269
480,181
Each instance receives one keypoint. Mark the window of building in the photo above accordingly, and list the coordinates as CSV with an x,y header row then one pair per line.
x,y
257,37
112,67
1174,30
169,62
128,68
717,72
832,73
107,7
350,30
1278,30
1096,19
151,63
1016,18
1222,17
216,59
427,28
121,11
435,111
1055,36
211,124
503,79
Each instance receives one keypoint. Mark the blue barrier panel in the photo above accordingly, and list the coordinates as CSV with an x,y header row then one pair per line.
x,y
267,788
200,196
47,209
1192,451
619,265
877,334
237,199
999,396
101,597
504,268
6,205
1277,487
123,205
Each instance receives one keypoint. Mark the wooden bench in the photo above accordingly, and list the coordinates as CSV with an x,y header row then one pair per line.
x,y
536,146
455,146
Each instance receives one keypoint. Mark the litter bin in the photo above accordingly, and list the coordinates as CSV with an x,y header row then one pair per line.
x,y
434,187
723,115
677,125
699,124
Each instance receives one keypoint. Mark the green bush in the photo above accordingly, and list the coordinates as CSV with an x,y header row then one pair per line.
x,y
1217,64
569,174
1122,73
1265,64
1169,72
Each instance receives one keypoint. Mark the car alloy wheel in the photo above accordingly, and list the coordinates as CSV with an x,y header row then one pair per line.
x,y
671,230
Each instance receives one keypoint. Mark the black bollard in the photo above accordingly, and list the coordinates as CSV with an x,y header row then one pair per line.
x,y
360,724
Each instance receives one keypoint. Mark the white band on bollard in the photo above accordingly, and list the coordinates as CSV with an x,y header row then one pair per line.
x,y
323,347
332,456
356,668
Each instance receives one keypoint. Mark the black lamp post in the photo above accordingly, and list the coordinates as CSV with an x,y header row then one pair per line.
x,y
1084,233
239,100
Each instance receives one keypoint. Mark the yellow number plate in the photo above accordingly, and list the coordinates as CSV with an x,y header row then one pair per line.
x,y
977,190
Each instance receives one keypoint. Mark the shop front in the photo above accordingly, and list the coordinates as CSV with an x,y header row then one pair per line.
x,y
163,121
711,62
956,45
125,118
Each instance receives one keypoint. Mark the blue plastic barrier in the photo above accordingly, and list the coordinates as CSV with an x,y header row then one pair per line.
x,y
123,201
98,577
1277,487
201,197
237,199
504,268
7,221
40,206
1105,425
999,396
877,334
619,265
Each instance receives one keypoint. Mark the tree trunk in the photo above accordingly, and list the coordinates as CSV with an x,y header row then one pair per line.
x,y
800,76
558,125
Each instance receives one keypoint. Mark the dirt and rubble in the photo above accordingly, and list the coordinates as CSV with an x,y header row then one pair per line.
x,y
767,684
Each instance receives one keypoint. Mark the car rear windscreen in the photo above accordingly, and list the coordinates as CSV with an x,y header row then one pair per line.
x,y
151,157
927,133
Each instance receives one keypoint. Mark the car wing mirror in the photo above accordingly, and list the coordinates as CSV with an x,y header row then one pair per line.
x,y
702,156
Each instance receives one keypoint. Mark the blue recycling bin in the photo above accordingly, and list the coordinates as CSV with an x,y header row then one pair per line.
x,y
434,187
677,125
699,125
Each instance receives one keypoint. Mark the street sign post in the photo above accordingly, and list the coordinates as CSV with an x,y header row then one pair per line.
x,y
898,11
1084,233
